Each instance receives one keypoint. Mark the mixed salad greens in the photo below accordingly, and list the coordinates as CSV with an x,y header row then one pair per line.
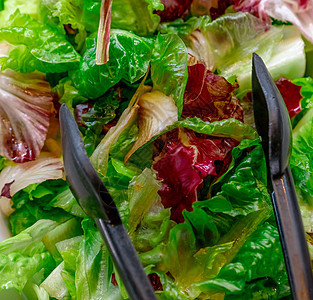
x,y
161,92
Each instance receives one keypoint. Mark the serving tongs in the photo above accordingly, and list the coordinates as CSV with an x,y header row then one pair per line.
x,y
273,125
98,204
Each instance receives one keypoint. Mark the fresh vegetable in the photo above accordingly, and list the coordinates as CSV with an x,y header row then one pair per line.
x,y
161,92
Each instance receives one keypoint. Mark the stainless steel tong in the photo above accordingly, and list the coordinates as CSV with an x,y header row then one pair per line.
x,y
98,204
273,125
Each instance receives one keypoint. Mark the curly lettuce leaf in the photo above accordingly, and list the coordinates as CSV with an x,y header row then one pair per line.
x,y
129,60
37,47
169,72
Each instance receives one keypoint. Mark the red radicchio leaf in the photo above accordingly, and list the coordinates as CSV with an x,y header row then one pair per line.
x,y
186,159
103,41
81,109
291,95
252,7
5,192
174,9
25,108
209,96
216,8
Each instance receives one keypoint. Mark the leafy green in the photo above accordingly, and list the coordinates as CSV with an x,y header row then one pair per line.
x,y
68,94
25,7
126,14
301,158
66,201
102,112
245,190
33,204
129,59
184,28
23,255
142,193
38,47
2,5
225,128
69,249
260,257
306,91
169,72
93,266
136,16
55,285
190,266
66,230
66,12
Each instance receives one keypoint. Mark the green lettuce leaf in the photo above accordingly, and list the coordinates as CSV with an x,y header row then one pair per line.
x,y
142,193
69,250
129,60
301,158
102,112
260,257
184,28
36,202
57,13
169,72
23,255
55,285
244,189
93,266
2,5
190,266
25,7
126,14
66,201
37,47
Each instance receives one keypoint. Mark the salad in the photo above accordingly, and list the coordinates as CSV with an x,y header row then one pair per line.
x,y
161,91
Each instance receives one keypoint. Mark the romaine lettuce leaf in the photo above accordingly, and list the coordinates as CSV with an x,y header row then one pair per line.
x,y
69,250
23,255
93,266
10,6
301,158
225,128
260,257
129,59
37,202
244,189
68,13
169,67
38,47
